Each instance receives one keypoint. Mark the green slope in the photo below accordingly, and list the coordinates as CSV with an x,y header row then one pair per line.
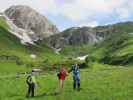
x,y
76,51
117,49
10,46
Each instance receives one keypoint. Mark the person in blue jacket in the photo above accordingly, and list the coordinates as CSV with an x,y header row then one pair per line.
x,y
76,76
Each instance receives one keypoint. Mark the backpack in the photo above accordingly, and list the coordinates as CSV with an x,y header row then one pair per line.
x,y
58,75
75,70
29,80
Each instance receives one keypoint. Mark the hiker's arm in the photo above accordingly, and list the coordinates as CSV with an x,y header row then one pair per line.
x,y
27,80
67,73
70,70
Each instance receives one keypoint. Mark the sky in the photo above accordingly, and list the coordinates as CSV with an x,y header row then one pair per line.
x,y
77,13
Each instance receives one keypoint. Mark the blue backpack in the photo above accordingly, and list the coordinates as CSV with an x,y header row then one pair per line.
x,y
75,69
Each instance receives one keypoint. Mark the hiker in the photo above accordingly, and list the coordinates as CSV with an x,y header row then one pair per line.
x,y
62,75
76,76
31,82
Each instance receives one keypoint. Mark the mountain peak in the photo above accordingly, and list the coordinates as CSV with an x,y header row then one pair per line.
x,y
32,23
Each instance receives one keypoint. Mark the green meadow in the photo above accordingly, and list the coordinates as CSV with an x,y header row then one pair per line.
x,y
99,82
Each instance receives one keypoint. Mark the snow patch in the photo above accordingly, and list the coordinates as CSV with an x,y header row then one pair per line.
x,y
19,32
33,56
57,51
130,33
36,70
82,57
22,42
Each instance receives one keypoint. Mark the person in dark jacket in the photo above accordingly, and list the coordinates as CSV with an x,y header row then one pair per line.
x,y
31,82
76,76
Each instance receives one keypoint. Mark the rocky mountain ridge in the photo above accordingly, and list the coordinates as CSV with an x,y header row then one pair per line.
x,y
31,27
29,24
78,36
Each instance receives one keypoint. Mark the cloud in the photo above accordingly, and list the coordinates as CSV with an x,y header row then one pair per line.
x,y
75,10
123,13
83,9
90,24
82,12
39,5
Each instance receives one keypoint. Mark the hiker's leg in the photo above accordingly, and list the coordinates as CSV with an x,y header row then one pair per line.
x,y
62,83
32,90
28,92
78,83
74,83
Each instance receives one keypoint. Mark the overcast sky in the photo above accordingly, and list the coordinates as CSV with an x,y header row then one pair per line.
x,y
74,13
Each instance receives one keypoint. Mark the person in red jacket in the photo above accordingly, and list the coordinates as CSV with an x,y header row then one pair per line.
x,y
62,75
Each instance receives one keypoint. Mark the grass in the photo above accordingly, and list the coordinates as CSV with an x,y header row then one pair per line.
x,y
10,46
75,51
117,50
104,83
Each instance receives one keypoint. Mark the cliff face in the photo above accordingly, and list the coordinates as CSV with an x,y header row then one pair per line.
x,y
30,26
35,25
73,36
85,35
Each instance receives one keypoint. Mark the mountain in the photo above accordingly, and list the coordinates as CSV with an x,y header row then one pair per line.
x,y
117,49
78,36
12,50
29,25
24,30
114,46
72,37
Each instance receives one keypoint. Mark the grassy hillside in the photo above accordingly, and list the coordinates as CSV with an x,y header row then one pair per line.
x,y
10,46
75,51
117,49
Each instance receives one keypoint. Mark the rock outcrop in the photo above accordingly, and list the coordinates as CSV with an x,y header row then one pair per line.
x,y
77,36
30,26
35,25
